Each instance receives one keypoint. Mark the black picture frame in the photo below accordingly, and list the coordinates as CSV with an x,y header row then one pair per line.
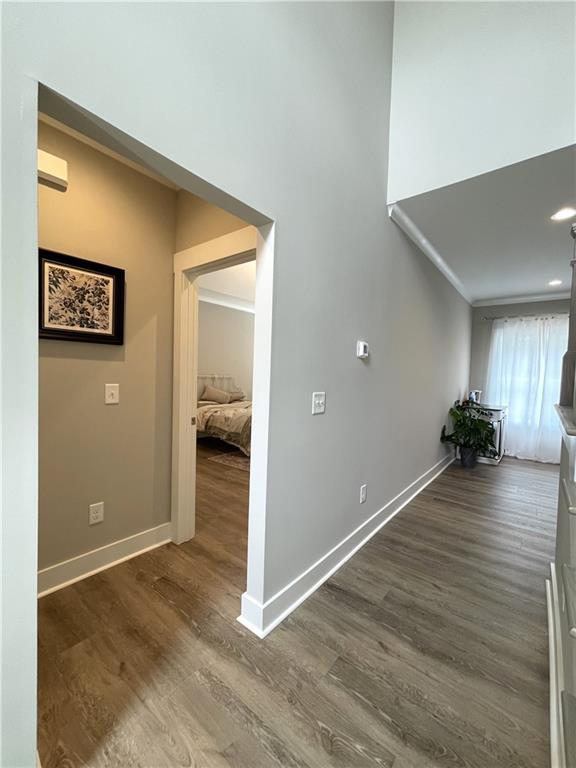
x,y
98,317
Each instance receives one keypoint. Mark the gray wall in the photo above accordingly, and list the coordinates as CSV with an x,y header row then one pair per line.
x,y
226,343
482,329
308,147
88,451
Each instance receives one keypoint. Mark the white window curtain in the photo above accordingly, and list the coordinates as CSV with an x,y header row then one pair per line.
x,y
524,371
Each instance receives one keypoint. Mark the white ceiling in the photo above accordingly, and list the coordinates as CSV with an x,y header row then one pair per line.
x,y
494,231
234,286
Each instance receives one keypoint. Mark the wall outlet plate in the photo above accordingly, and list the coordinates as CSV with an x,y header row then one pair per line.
x,y
96,513
318,403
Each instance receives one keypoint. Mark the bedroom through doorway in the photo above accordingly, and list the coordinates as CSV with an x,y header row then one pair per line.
x,y
225,352
215,314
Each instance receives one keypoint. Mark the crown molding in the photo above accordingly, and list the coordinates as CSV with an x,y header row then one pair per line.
x,y
521,299
410,229
225,300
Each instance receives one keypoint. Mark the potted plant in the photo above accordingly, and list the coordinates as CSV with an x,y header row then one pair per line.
x,y
472,432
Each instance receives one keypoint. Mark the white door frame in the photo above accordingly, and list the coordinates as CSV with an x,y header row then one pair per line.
x,y
222,252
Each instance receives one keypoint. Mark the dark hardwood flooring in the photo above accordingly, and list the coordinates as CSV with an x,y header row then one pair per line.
x,y
427,649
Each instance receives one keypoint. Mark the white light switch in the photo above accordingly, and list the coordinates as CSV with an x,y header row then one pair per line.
x,y
318,403
111,394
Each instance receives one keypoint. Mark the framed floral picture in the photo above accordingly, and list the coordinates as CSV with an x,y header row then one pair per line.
x,y
80,300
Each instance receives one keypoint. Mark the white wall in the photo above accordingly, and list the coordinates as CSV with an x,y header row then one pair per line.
x,y
308,148
226,343
476,86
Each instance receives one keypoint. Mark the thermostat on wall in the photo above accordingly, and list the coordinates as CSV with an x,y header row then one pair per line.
x,y
362,349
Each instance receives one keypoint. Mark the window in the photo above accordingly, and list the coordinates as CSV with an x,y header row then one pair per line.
x,y
524,371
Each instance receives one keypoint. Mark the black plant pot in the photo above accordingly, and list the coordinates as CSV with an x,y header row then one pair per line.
x,y
468,457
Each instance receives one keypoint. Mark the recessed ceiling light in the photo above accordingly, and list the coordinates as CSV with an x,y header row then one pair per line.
x,y
555,282
563,214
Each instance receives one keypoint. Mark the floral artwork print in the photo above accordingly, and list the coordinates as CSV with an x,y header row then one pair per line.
x,y
80,300
77,300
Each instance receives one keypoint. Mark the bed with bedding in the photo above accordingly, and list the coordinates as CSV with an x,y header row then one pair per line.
x,y
223,411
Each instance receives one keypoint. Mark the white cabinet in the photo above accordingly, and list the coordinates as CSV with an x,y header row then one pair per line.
x,y
561,595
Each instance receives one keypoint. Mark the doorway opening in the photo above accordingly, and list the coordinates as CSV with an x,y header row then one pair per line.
x,y
249,237
202,383
127,410
214,356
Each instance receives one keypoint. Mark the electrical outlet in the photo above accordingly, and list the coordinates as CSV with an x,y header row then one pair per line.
x,y
96,513
318,403
363,492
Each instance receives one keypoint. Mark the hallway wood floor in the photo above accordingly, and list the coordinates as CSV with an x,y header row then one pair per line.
x,y
427,649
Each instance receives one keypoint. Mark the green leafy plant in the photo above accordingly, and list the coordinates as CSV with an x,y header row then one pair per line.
x,y
472,430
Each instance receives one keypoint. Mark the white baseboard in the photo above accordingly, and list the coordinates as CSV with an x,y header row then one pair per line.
x,y
262,618
62,574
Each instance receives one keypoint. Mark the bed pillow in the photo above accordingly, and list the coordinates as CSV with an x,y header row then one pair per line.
x,y
237,395
216,395
204,403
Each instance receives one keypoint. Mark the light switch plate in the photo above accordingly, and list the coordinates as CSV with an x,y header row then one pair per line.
x,y
112,394
318,403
